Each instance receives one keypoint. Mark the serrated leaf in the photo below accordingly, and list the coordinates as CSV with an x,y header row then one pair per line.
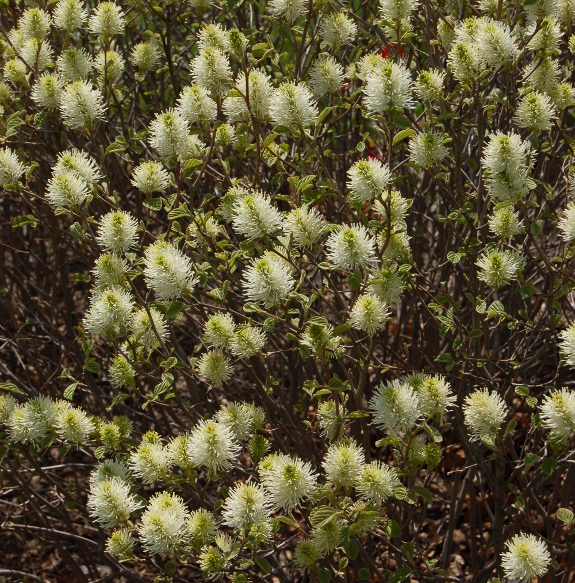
x,y
424,493
350,548
454,257
530,460
324,575
69,391
565,515
476,333
321,515
154,204
444,357
391,528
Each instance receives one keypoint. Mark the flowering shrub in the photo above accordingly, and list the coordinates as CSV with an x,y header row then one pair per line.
x,y
287,290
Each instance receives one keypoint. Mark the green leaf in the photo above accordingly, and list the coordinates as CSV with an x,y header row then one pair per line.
x,y
364,574
174,309
354,281
522,390
69,391
402,135
10,387
476,333
400,575
358,414
179,213
21,221
454,257
264,565
565,515
530,460
548,466
336,384
424,493
350,548
408,550
391,528
118,145
269,324
401,121
154,203
321,515
341,329
444,357
92,366
324,575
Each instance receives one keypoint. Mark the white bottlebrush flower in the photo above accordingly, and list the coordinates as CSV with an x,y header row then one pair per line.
x,y
110,312
499,268
435,396
66,190
426,149
33,420
121,373
213,35
496,43
145,56
75,64
268,280
505,222
202,527
387,284
306,555
535,112
567,223
218,330
239,419
545,37
567,345
120,544
429,84
246,506
81,105
397,9
329,422
196,106
150,177
69,15
541,9
255,216
144,333
395,204
7,404
288,10
397,245
343,463
287,481
78,163
542,75
395,407
74,425
465,61
10,167
15,70
484,413
110,502
558,414
258,92
327,536
35,23
505,162
212,444
117,231
163,527
326,76
211,70
169,133
47,91
215,367
305,225
388,86
150,461
106,21
563,96
111,63
526,558
337,29
178,452
193,148
351,248
378,482
167,270
247,341
368,314
293,106
225,135
107,470
37,54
